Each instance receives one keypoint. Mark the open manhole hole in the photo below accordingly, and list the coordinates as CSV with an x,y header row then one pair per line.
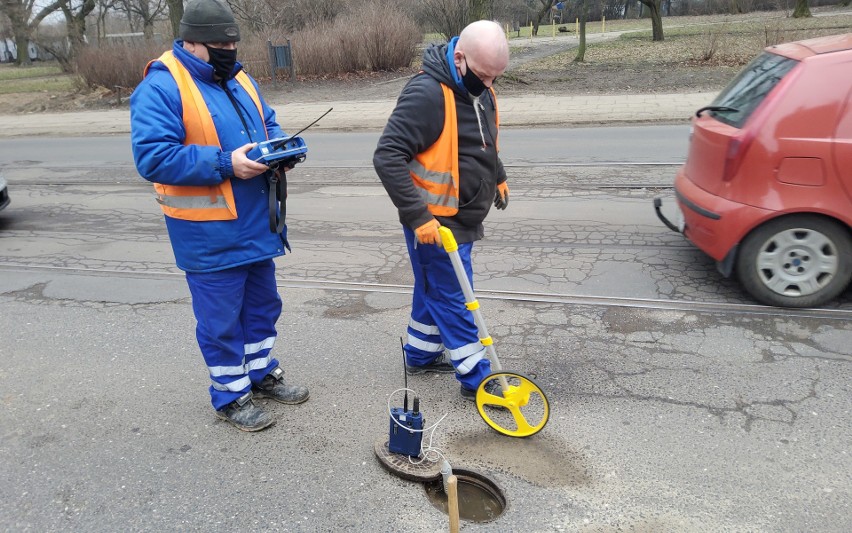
x,y
480,499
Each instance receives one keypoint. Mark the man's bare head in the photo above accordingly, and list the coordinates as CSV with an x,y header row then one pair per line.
x,y
482,47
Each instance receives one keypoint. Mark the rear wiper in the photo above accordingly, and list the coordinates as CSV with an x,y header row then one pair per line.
x,y
716,108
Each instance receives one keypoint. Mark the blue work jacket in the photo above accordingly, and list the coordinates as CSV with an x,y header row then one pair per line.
x,y
158,134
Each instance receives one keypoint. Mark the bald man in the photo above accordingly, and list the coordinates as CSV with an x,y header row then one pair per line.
x,y
438,160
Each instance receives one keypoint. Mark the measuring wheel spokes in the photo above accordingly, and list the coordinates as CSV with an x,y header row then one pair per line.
x,y
518,408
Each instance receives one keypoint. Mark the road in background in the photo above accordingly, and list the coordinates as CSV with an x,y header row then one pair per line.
x,y
634,144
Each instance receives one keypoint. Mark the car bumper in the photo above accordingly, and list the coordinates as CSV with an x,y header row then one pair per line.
x,y
712,223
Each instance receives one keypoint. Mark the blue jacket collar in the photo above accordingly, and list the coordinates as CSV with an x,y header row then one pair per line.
x,y
451,47
198,68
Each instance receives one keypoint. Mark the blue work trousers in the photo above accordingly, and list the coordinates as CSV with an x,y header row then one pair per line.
x,y
236,310
439,319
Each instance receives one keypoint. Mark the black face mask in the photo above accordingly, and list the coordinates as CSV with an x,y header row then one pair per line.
x,y
472,82
222,61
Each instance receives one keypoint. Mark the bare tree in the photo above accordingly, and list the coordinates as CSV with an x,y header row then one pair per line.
x,y
544,9
287,15
104,8
75,14
148,11
175,14
24,24
581,48
449,17
656,18
802,9
480,9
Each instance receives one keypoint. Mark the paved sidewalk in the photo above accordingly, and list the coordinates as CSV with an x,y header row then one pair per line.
x,y
519,111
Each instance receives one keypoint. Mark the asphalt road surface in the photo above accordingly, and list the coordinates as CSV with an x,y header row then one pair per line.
x,y
677,403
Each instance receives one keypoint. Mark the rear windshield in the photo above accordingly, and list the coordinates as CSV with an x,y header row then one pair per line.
x,y
750,87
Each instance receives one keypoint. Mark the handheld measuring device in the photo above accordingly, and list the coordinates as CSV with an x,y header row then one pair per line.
x,y
283,151
521,409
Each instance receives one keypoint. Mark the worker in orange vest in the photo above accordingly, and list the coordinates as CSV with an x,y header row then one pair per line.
x,y
439,161
193,119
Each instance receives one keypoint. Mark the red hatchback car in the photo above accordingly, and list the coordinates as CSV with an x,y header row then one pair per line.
x,y
766,189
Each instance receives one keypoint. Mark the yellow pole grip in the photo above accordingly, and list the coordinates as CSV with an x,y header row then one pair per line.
x,y
448,239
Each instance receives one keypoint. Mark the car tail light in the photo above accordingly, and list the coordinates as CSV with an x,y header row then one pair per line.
x,y
737,148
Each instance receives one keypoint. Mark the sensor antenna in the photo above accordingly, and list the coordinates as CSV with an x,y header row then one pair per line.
x,y
279,145
404,374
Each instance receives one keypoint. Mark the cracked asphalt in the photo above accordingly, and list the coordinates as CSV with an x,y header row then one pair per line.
x,y
667,415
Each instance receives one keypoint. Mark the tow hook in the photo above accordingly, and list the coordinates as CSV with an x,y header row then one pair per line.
x,y
658,203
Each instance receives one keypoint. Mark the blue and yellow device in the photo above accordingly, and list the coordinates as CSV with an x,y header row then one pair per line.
x,y
406,429
283,151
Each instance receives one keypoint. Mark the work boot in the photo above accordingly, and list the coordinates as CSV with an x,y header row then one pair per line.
x,y
245,415
272,386
492,387
439,365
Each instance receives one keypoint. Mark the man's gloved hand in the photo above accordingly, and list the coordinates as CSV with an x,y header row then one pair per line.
x,y
501,198
428,233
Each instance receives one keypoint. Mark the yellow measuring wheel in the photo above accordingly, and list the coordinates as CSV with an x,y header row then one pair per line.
x,y
512,404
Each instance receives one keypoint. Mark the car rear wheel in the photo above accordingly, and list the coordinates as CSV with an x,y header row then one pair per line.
x,y
796,261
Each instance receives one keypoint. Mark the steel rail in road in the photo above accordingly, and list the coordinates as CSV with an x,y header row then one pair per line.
x,y
567,186
519,296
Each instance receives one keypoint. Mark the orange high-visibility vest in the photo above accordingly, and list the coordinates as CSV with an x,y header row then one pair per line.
x,y
435,171
205,202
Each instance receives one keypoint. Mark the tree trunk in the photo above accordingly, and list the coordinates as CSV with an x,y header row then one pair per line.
x,y
23,28
480,9
75,24
656,18
22,43
545,9
657,22
148,29
581,48
20,30
175,14
802,9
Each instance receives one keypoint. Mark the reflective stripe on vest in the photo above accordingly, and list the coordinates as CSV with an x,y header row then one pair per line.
x,y
435,171
206,202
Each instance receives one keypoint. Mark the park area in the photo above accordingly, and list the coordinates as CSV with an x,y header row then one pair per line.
x,y
698,54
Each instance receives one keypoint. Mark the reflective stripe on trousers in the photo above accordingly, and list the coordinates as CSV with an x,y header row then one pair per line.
x,y
236,310
439,318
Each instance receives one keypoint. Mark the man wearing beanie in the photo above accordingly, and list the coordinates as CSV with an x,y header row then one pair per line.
x,y
193,119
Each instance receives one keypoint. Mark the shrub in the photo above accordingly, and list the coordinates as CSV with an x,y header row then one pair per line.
x,y
118,65
375,36
389,38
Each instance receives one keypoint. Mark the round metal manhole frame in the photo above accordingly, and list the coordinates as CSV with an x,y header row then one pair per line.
x,y
486,483
399,465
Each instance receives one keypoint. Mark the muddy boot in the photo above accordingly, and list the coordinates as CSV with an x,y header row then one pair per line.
x,y
245,415
273,387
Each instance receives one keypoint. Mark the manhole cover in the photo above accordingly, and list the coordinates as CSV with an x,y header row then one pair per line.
x,y
402,467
